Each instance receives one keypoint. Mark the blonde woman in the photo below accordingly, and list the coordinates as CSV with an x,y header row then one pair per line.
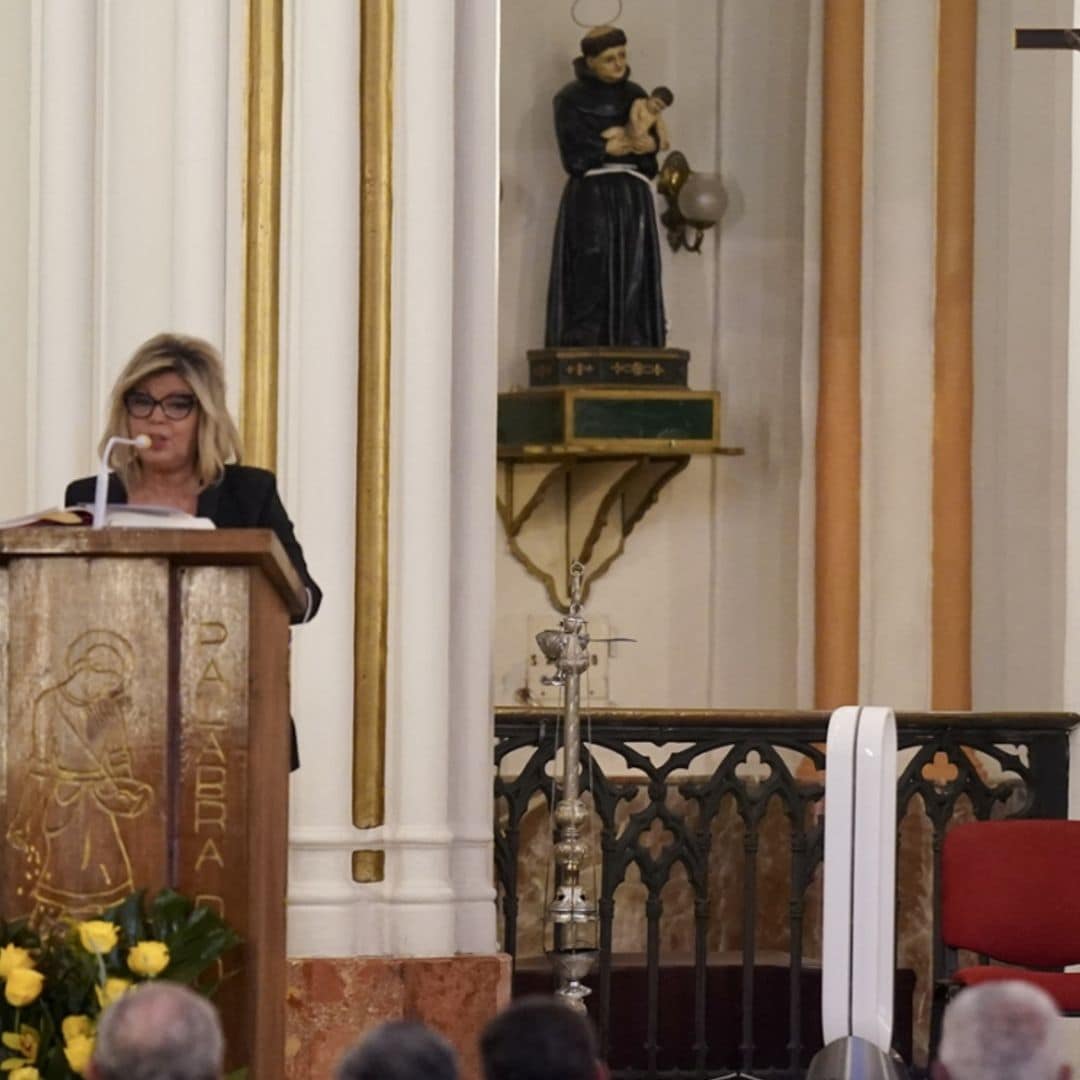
x,y
173,391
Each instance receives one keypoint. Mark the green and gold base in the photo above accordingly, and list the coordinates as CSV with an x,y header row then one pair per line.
x,y
606,420
637,367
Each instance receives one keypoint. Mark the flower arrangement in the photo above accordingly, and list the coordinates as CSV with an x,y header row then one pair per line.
x,y
57,982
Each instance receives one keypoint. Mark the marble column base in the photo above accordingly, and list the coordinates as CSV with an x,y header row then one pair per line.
x,y
333,1001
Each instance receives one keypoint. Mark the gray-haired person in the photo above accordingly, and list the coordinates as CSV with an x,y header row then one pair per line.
x,y
159,1031
400,1050
1007,1030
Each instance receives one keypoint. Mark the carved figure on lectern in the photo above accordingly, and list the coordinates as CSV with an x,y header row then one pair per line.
x,y
80,783
604,288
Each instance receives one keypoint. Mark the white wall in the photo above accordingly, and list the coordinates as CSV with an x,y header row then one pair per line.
x,y
120,192
708,582
758,352
1021,325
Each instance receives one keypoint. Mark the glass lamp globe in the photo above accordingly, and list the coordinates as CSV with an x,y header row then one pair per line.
x,y
703,198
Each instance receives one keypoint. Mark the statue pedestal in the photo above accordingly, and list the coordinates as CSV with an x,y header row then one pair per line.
x,y
597,436
626,367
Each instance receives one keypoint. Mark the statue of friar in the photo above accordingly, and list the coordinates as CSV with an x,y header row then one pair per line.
x,y
604,288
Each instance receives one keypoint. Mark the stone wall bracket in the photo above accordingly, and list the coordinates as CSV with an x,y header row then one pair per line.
x,y
580,466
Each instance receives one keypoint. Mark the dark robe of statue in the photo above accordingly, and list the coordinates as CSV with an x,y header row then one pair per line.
x,y
604,287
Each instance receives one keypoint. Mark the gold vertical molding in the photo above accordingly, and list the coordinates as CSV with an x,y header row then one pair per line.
x,y
953,364
262,232
839,420
373,423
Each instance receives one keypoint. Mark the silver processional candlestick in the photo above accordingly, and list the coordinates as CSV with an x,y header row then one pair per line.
x,y
572,912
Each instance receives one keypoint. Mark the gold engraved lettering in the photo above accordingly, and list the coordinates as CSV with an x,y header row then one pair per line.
x,y
211,750
209,815
209,853
210,781
212,633
212,901
210,715
211,674
210,721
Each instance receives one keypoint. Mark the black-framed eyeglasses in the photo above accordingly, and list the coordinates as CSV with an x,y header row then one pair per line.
x,y
141,405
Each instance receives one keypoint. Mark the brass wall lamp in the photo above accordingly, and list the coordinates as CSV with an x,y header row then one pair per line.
x,y
695,202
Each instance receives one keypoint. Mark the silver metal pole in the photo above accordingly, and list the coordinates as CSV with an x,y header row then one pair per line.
x,y
572,911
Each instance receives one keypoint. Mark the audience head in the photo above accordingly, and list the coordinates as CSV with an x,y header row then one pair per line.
x,y
159,1031
400,1050
197,363
539,1038
1002,1031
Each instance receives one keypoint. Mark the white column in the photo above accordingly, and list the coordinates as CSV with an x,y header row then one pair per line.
x,y
472,536
421,915
200,134
898,350
62,245
328,914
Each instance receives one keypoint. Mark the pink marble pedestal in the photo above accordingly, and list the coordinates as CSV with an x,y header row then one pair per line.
x,y
332,1002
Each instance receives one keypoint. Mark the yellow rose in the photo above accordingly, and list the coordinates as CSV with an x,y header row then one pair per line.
x,y
78,1051
25,1043
73,1026
97,936
23,986
25,1072
148,958
12,958
113,990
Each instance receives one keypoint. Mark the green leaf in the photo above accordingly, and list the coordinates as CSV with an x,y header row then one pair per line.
x,y
168,913
128,915
194,955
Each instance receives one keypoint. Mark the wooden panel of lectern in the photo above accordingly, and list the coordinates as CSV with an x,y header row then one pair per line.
x,y
144,739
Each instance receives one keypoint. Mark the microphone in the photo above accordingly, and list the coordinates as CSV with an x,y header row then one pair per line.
x,y
101,489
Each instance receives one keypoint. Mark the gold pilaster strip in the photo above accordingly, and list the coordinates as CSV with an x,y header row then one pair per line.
x,y
373,424
839,429
953,363
368,866
262,232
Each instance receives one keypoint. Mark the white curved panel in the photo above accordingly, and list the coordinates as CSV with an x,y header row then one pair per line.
x,y
836,946
858,948
874,898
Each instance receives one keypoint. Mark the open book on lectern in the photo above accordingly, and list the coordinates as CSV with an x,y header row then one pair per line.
x,y
118,515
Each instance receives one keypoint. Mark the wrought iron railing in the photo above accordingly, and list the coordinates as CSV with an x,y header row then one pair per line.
x,y
709,825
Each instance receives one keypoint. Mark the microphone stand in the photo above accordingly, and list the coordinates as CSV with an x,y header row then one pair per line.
x,y
101,488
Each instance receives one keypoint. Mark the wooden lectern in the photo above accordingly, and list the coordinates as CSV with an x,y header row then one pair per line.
x,y
144,738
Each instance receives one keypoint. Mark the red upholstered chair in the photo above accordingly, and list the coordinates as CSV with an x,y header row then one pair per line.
x,y
1010,891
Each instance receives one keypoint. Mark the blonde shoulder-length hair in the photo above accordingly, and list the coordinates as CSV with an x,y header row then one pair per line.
x,y
217,442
